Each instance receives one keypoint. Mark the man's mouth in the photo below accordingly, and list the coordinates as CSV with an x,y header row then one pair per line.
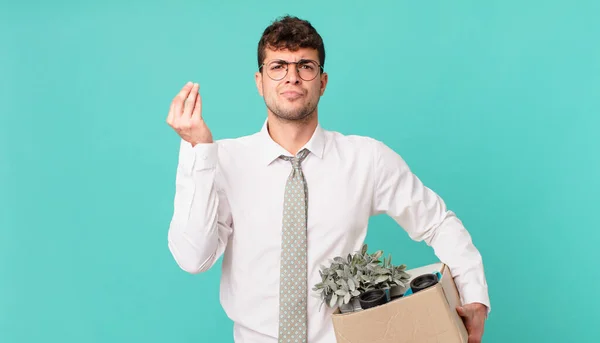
x,y
291,95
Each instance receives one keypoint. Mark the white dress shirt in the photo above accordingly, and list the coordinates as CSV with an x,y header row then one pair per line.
x,y
229,202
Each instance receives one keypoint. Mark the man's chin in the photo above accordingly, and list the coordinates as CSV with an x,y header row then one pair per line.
x,y
293,116
291,111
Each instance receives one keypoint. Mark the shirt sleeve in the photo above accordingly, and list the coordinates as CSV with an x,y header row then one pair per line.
x,y
424,216
201,223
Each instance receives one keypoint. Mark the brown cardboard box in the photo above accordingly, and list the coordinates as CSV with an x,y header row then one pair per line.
x,y
428,316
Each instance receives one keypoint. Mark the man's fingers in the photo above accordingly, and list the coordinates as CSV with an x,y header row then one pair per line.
x,y
197,113
185,91
461,311
171,114
180,98
190,101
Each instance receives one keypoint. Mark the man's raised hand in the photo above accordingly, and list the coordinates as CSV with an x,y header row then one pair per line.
x,y
185,116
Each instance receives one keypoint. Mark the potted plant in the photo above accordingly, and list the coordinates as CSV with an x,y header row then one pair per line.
x,y
347,278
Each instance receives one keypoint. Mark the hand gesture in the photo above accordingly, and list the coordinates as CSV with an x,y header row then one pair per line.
x,y
185,116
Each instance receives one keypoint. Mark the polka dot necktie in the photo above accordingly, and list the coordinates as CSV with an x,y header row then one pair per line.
x,y
293,282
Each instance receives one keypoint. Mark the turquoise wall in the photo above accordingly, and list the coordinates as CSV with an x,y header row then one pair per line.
x,y
495,105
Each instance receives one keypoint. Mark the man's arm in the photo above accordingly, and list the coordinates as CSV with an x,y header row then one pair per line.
x,y
201,222
424,216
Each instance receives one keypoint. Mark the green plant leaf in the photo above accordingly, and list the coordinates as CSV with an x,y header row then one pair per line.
x,y
347,298
351,285
332,285
381,278
344,285
333,301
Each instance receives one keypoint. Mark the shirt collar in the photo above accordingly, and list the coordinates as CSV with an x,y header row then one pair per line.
x,y
271,150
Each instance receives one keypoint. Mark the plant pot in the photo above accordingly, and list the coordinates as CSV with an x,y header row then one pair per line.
x,y
422,282
397,292
352,306
372,298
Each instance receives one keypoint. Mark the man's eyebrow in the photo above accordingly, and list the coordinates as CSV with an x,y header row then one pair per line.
x,y
300,59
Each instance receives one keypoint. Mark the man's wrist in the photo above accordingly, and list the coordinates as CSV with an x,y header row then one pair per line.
x,y
481,308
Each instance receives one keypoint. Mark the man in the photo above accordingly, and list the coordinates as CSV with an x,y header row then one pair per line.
x,y
278,203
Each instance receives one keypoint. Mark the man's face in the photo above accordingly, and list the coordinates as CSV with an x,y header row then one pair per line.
x,y
291,98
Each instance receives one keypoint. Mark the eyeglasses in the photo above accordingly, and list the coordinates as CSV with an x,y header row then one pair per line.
x,y
278,69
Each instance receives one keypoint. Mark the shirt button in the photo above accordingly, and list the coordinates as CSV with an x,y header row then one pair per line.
x,y
204,157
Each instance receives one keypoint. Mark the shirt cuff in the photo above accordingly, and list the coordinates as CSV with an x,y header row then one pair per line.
x,y
202,156
476,294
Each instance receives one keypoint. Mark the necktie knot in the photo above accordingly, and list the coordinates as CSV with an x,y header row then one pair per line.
x,y
296,160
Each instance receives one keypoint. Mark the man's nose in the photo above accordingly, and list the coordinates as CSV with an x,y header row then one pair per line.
x,y
292,74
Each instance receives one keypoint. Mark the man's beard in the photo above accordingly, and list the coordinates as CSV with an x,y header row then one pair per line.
x,y
301,114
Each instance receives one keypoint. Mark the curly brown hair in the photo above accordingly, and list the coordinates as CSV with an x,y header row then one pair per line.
x,y
290,33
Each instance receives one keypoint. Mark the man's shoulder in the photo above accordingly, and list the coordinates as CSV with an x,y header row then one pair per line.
x,y
352,140
361,146
239,141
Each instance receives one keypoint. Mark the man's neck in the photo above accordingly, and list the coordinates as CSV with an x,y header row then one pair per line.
x,y
290,135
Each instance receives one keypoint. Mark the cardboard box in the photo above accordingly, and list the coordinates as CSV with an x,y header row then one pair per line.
x,y
428,316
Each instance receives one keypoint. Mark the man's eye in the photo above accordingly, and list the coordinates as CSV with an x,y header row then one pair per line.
x,y
306,65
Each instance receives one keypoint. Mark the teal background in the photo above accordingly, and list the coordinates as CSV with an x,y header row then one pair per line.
x,y
495,105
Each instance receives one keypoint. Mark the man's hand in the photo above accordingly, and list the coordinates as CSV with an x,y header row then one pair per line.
x,y
185,116
474,316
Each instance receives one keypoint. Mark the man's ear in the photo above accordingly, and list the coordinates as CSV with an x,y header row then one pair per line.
x,y
258,80
324,80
